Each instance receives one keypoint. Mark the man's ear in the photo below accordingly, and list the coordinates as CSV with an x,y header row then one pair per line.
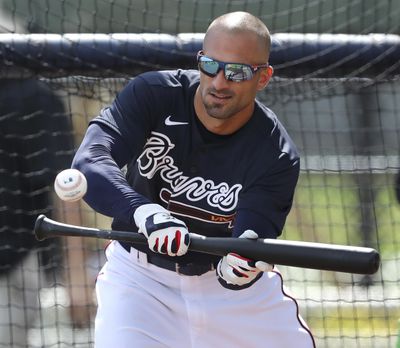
x,y
265,76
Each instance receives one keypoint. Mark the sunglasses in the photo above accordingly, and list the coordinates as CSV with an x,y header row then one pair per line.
x,y
236,72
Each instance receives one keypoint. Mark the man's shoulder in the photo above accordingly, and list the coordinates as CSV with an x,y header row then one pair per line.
x,y
266,119
267,123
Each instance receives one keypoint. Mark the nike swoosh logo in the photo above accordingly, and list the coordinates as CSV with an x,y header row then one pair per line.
x,y
169,122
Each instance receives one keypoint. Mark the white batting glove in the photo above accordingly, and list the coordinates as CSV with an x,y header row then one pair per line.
x,y
165,234
240,271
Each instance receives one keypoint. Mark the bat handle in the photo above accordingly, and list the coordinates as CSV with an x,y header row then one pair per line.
x,y
45,228
40,230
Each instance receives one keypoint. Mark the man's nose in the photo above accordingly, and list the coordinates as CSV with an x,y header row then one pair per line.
x,y
219,81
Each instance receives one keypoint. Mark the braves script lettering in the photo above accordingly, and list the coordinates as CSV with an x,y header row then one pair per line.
x,y
154,158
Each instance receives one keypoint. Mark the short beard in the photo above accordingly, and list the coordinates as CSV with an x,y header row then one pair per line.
x,y
215,110
218,112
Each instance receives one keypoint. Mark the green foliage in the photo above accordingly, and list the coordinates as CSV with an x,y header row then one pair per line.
x,y
326,209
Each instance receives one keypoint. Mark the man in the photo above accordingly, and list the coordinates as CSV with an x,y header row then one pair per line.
x,y
203,156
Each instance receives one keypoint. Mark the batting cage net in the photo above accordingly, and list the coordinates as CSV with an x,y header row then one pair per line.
x,y
336,89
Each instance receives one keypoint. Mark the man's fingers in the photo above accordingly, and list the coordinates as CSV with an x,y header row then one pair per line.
x,y
236,261
263,266
244,264
249,234
164,246
173,241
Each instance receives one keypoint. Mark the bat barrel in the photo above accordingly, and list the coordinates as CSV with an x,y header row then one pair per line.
x,y
329,257
320,256
358,260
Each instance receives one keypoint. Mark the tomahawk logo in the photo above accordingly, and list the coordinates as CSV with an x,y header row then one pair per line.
x,y
155,158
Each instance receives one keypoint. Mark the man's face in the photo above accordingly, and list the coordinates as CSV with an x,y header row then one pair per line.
x,y
221,98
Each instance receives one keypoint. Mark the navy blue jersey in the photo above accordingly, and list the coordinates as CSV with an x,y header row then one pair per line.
x,y
219,185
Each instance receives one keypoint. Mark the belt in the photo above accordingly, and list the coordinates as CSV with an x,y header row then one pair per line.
x,y
190,269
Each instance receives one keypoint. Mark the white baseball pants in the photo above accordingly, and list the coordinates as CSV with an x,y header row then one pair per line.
x,y
144,306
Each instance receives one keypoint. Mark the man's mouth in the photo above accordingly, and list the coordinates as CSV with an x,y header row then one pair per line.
x,y
220,96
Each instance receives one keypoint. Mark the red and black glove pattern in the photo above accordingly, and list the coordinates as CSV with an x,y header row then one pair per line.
x,y
165,234
237,272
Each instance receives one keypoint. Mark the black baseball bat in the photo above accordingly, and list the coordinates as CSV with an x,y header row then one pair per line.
x,y
321,256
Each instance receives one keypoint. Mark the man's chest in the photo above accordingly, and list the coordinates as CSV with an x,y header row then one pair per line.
x,y
195,180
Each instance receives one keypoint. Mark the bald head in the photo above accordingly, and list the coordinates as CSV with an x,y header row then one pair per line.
x,y
241,23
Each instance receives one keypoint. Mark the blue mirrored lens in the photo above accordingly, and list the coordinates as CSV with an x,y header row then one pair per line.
x,y
233,71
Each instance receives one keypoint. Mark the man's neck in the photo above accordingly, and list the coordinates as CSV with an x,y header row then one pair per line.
x,y
221,126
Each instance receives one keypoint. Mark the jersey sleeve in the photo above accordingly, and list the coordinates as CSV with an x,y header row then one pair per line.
x,y
132,115
100,156
264,206
112,140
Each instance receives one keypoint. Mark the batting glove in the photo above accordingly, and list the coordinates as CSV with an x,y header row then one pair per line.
x,y
165,234
237,272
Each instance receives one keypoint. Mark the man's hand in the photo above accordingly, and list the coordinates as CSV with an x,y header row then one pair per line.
x,y
238,272
165,234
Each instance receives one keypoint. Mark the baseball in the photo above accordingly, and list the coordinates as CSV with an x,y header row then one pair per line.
x,y
70,185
